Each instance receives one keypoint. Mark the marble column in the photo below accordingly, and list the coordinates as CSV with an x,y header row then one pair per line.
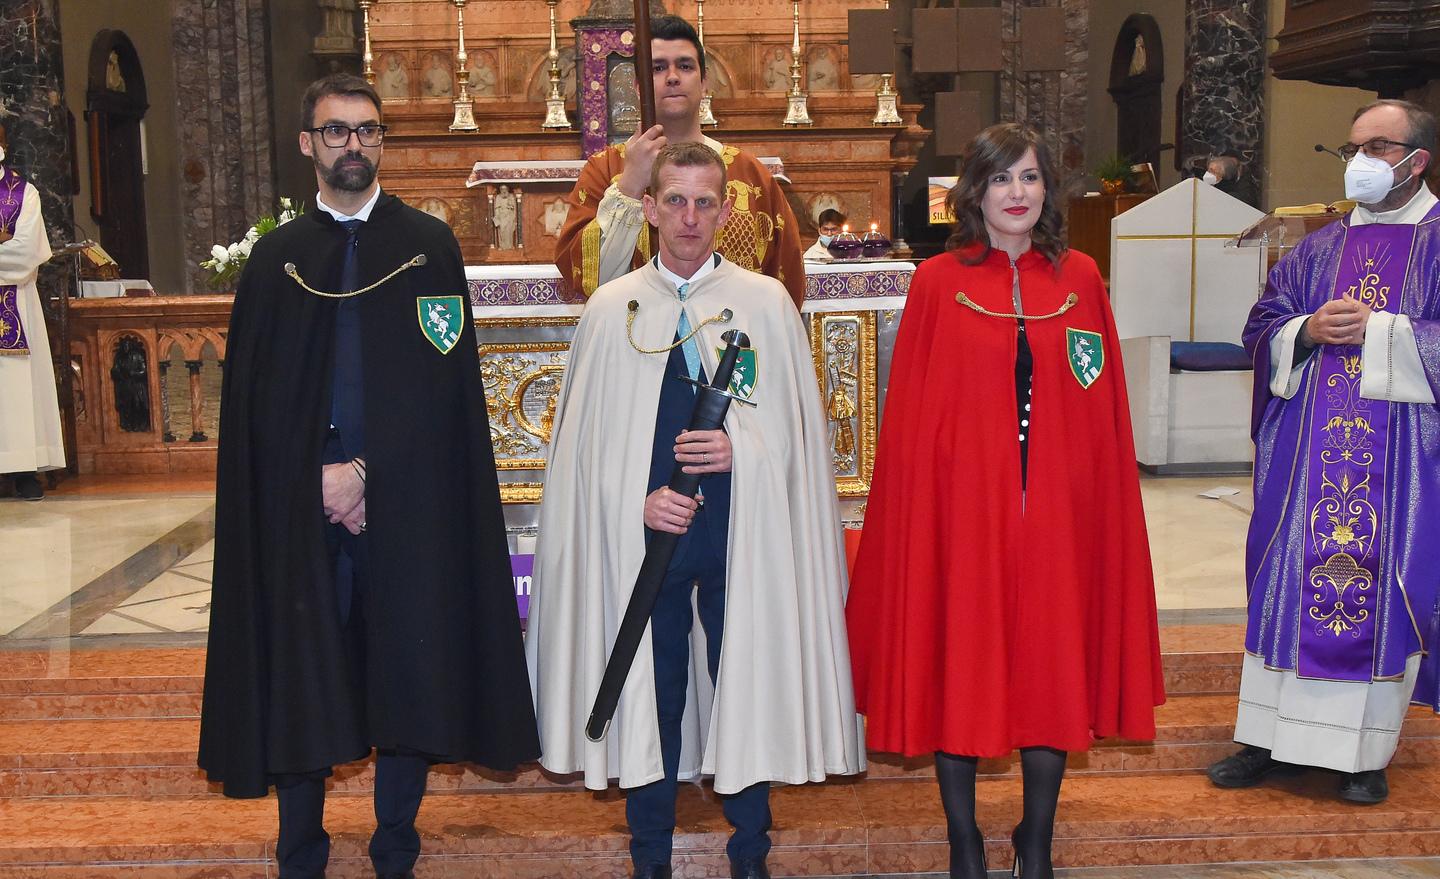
x,y
224,108
1051,102
1224,82
32,109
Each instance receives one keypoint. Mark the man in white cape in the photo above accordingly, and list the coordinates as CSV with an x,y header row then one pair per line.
x,y
30,437
776,704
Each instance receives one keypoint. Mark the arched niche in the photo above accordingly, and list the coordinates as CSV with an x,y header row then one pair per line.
x,y
1137,74
115,104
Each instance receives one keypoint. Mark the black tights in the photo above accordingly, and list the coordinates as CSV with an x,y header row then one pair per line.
x,y
1043,769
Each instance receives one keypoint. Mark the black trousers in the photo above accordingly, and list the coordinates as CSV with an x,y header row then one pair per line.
x,y
304,847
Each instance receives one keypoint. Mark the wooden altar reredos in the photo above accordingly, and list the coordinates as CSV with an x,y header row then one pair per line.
x,y
841,161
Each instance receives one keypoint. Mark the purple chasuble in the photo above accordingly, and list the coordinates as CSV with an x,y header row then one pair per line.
x,y
12,199
1342,559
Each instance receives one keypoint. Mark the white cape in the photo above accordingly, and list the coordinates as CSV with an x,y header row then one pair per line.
x,y
782,708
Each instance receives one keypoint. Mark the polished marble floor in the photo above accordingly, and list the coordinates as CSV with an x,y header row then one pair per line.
x,y
106,558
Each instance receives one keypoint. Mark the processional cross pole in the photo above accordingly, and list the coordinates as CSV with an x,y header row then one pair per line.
x,y
645,84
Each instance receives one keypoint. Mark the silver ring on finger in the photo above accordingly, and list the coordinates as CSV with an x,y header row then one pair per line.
x,y
362,526
705,457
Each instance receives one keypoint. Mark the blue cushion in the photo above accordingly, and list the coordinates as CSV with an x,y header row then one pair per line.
x,y
1208,356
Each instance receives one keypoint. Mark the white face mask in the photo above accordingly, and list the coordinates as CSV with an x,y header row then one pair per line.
x,y
1368,180
1210,178
826,239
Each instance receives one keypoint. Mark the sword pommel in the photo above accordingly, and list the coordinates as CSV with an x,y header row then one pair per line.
x,y
735,337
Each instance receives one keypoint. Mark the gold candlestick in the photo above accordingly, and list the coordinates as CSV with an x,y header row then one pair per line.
x,y
707,116
368,57
796,111
464,107
887,110
555,117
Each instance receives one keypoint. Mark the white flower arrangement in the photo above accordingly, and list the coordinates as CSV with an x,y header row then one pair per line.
x,y
225,262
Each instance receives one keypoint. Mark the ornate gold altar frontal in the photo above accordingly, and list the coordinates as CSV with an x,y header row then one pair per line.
x,y
843,346
522,388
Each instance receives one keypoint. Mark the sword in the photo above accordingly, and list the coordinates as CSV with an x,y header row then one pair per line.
x,y
712,401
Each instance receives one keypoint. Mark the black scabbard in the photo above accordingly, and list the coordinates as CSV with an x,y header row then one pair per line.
x,y
712,401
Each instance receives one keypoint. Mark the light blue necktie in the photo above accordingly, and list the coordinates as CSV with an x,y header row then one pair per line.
x,y
689,348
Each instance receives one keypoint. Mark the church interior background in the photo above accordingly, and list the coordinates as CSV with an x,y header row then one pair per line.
x,y
161,128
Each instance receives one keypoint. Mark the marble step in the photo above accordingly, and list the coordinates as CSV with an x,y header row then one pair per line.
x,y
134,683
156,756
875,827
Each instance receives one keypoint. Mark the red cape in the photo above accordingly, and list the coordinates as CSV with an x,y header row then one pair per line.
x,y
976,627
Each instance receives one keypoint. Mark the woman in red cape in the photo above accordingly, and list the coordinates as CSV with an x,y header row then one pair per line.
x,y
1002,597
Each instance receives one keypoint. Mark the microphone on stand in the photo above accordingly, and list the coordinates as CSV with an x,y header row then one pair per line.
x,y
1322,148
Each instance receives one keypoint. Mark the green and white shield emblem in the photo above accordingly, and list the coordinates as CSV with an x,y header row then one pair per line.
x,y
1086,351
746,374
441,319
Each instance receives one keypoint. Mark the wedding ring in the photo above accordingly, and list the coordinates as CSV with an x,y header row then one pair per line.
x,y
705,457
362,526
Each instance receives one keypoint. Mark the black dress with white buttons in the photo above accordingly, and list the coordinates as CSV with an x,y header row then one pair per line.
x,y
1024,374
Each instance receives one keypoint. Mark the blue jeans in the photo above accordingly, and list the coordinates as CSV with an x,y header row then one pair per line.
x,y
650,810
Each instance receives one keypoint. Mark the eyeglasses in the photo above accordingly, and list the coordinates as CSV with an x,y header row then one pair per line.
x,y
1375,148
336,136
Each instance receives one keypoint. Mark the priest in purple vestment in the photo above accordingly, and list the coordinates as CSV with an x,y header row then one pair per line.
x,y
30,437
1343,556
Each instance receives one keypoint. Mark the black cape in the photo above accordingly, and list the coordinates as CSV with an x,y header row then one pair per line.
x,y
442,670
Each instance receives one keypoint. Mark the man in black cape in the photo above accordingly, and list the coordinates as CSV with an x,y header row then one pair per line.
x,y
347,614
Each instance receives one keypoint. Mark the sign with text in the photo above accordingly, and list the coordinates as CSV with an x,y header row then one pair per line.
x,y
522,566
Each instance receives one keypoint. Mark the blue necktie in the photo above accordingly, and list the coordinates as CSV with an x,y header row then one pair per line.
x,y
346,402
688,348
350,269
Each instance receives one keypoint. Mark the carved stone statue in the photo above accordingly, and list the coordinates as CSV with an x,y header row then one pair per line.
x,y
482,74
1138,62
437,82
394,80
339,19
822,73
114,79
555,214
503,216
777,69
624,97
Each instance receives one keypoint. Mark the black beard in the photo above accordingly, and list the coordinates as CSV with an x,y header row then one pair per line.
x,y
347,176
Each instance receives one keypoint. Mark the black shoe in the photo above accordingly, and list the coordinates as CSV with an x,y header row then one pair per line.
x,y
408,874
27,486
1366,788
652,871
1246,768
753,868
1018,868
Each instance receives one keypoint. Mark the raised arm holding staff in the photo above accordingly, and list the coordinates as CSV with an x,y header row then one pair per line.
x,y
605,236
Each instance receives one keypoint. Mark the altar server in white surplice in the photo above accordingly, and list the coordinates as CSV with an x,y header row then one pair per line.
x,y
30,439
760,560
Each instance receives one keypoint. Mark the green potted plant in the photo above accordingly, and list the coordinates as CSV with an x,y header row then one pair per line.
x,y
1113,172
